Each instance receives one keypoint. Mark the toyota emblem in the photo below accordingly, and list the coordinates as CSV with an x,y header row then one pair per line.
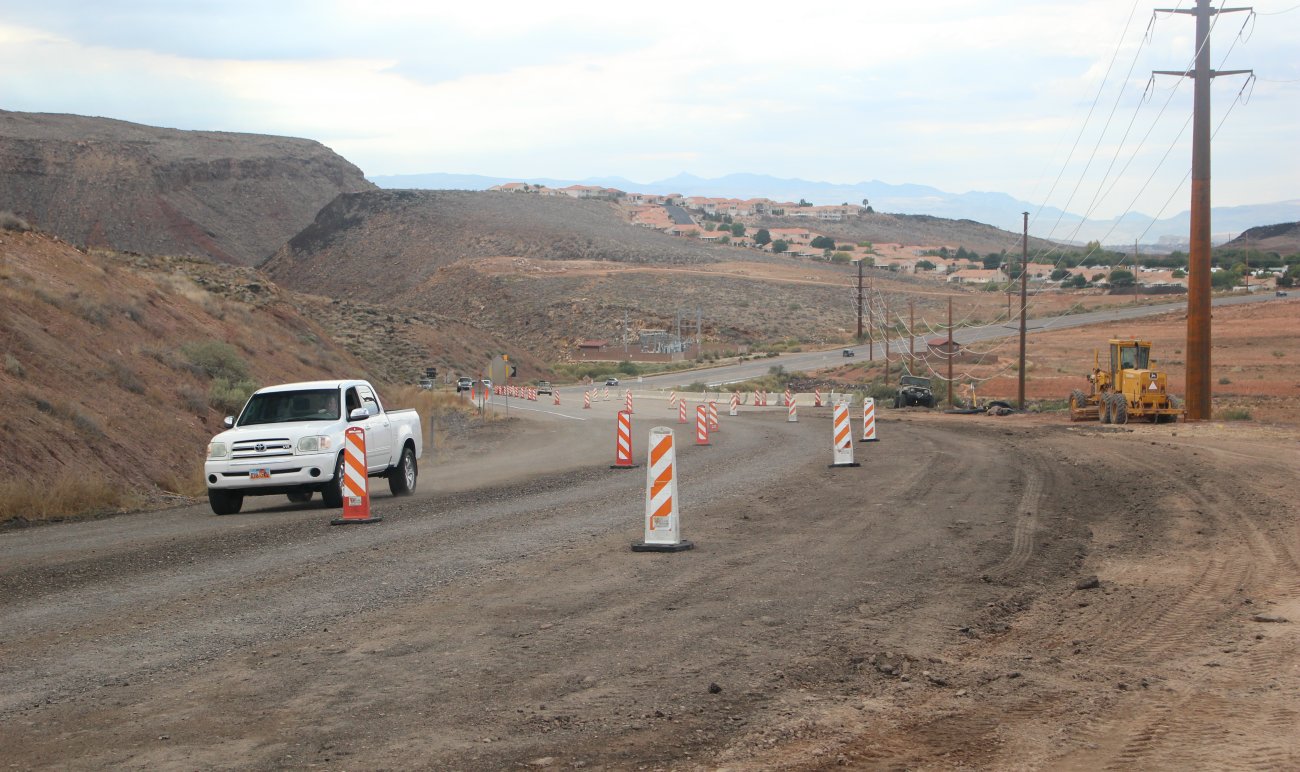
x,y
259,447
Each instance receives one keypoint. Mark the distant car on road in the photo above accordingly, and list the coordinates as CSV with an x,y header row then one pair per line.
x,y
1281,293
426,383
464,384
611,381
544,387
487,383
848,352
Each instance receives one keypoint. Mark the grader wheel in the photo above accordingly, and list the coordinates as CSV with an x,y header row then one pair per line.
x,y
1103,408
1078,405
1119,410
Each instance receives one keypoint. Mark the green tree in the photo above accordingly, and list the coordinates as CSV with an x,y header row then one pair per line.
x,y
1060,274
738,229
992,261
822,242
1077,281
925,265
779,246
1179,273
762,237
1121,278
840,257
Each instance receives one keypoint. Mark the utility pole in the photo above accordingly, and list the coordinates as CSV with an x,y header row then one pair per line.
x,y
884,328
1198,270
950,353
859,335
911,336
1024,301
871,337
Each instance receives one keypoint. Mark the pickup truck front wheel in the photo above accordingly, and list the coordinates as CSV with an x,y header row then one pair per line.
x,y
332,494
225,502
401,478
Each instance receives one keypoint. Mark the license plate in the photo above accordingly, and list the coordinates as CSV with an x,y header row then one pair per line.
x,y
259,474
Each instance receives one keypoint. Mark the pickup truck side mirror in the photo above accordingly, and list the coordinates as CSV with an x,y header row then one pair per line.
x,y
228,421
358,414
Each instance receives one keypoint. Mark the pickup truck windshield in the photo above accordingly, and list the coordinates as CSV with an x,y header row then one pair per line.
x,y
288,406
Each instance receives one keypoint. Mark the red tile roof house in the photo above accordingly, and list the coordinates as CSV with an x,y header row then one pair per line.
x,y
512,187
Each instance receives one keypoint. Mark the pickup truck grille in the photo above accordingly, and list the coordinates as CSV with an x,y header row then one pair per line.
x,y
273,447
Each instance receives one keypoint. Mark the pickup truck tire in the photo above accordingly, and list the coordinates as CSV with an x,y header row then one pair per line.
x,y
225,502
401,478
332,494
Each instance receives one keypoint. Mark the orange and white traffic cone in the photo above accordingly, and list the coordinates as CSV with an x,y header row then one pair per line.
x,y
356,494
623,442
868,419
702,425
663,527
842,437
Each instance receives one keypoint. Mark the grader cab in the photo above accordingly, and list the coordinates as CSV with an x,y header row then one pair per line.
x,y
1128,388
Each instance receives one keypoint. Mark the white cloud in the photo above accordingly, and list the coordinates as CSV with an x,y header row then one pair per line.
x,y
949,94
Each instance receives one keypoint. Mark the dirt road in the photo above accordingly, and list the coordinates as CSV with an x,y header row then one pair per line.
x,y
934,609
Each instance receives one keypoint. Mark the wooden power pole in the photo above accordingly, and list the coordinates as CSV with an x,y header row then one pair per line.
x,y
1024,302
1198,269
950,354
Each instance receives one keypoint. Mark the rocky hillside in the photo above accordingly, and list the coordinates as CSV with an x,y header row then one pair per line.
x,y
1283,238
372,244
231,198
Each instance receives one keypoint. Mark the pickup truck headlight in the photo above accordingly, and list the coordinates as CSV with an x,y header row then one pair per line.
x,y
217,450
316,443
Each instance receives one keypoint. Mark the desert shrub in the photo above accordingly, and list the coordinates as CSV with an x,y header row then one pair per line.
x,y
86,425
878,391
14,367
216,359
194,400
1225,381
95,313
1235,414
126,378
12,222
228,395
26,499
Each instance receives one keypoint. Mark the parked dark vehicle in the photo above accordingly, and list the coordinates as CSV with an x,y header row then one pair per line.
x,y
848,352
914,390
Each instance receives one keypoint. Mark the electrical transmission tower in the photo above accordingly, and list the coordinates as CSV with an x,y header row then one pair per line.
x,y
1198,273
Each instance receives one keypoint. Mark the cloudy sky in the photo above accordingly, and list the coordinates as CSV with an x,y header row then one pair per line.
x,y
1046,101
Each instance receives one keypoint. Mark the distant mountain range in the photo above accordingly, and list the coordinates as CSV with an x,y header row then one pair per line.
x,y
997,209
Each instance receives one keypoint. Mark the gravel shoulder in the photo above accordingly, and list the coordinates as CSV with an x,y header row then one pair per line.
x,y
934,608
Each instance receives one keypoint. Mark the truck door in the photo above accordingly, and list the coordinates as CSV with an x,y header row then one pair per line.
x,y
379,435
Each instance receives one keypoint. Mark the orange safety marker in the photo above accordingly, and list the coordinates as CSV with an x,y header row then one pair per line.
x,y
868,419
713,416
556,396
681,411
663,524
817,397
702,425
735,403
586,400
356,494
606,393
627,400
623,442
793,414
842,437
672,400
789,400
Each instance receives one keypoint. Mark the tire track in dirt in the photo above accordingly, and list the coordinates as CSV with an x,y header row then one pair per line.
x,y
1026,522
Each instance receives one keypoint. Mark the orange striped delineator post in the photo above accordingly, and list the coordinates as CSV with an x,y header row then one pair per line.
x,y
702,425
586,400
556,396
868,419
714,426
672,400
794,413
606,394
735,404
842,437
789,400
817,397
623,442
627,400
663,524
356,495
681,411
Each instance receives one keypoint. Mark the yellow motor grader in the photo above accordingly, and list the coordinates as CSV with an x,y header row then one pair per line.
x,y
1127,389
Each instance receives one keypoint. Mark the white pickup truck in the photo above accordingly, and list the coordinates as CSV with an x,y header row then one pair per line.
x,y
288,439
